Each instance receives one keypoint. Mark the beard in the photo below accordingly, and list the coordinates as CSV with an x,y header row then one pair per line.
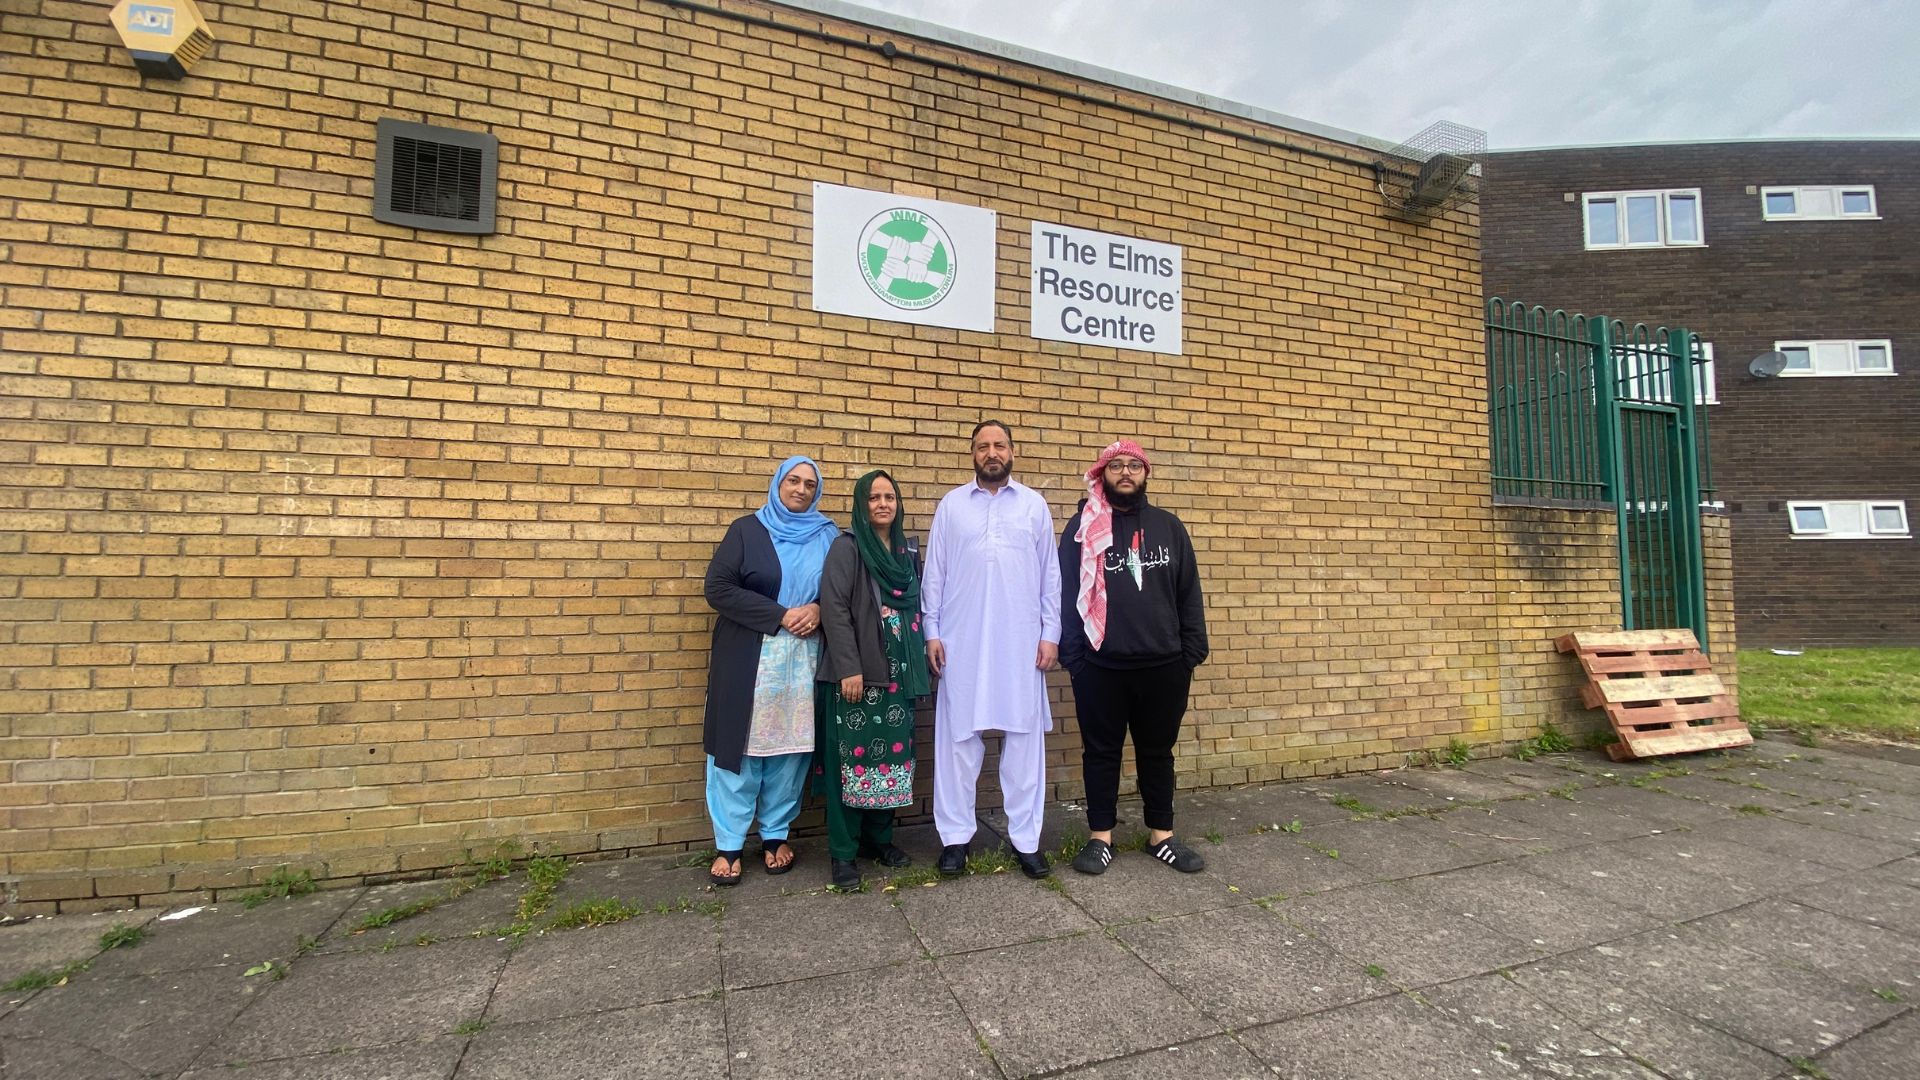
x,y
993,472
1120,501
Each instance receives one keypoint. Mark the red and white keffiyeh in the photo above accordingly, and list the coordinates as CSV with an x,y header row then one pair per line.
x,y
1095,537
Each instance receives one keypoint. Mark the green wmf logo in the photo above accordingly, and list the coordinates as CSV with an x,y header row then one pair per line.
x,y
907,259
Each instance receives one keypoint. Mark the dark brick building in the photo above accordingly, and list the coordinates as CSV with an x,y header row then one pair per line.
x,y
1811,247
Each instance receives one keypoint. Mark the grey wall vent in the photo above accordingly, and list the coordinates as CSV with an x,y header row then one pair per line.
x,y
435,178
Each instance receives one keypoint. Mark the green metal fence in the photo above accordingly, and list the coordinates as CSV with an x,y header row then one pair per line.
x,y
1588,410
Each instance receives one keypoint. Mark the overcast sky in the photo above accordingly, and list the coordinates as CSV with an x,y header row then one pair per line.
x,y
1529,72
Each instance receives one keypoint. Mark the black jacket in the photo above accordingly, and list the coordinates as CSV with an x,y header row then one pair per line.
x,y
743,581
850,618
1157,621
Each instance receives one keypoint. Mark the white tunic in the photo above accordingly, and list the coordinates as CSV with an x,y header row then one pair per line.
x,y
991,595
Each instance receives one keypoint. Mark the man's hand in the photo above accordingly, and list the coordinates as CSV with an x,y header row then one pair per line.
x,y
852,687
801,621
936,657
1048,657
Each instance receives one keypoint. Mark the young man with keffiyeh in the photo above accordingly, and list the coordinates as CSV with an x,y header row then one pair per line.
x,y
1133,628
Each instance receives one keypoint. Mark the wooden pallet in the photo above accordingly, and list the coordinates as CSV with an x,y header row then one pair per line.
x,y
1658,689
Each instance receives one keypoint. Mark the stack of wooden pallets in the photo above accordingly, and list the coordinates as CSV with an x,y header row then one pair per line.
x,y
1659,691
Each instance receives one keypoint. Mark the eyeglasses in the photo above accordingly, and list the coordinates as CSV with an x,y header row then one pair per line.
x,y
1124,467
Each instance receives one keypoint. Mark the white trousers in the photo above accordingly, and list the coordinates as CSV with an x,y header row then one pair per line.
x,y
1023,783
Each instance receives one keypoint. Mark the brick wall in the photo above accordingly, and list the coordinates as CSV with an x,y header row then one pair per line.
x,y
1756,282
351,547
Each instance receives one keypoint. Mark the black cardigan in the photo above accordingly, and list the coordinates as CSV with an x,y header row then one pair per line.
x,y
743,583
850,618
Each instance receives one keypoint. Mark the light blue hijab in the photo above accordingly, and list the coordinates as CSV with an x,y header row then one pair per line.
x,y
800,539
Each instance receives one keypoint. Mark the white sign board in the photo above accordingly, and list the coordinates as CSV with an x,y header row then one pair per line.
x,y
1100,289
903,259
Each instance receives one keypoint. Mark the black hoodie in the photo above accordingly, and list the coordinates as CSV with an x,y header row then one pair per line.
x,y
1154,611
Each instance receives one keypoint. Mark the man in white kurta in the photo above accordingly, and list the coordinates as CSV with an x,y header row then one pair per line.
x,y
991,600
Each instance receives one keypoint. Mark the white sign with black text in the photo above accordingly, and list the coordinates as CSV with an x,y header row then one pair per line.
x,y
1096,288
903,259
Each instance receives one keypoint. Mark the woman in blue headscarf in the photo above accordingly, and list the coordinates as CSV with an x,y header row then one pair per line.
x,y
765,583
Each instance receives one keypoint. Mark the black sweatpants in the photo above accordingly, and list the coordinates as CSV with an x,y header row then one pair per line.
x,y
1150,703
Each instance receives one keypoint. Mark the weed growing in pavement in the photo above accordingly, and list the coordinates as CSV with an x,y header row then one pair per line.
x,y
283,883
425,940
1214,835
914,877
1331,853
1135,841
1458,752
1355,807
697,858
122,936
1600,740
1549,741
544,875
604,912
386,917
470,1027
996,861
1888,995
1071,844
41,978
1293,826
306,945
1053,883
1809,1068
1376,971
1564,791
1753,809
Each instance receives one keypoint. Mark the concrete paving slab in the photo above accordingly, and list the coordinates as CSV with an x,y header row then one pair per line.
x,y
1246,809
785,939
1799,841
1731,789
432,1059
1386,925
1523,1028
1650,807
988,911
1032,1003
643,961
642,882
1275,864
1540,774
1885,1053
681,1040
35,1059
1244,966
812,872
1217,1058
1456,786
458,912
1391,1038
229,934
1845,950
1546,822
1699,851
1536,910
1581,987
357,1000
1791,1012
1137,887
1880,902
1386,850
1903,871
1662,890
886,1023
52,943
1864,824
1373,792
152,1023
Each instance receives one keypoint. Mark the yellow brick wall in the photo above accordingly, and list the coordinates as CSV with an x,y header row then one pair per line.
x,y
353,547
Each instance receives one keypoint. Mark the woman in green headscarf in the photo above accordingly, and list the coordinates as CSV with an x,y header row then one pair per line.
x,y
872,670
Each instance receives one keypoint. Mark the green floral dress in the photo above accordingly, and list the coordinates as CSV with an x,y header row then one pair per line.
x,y
870,741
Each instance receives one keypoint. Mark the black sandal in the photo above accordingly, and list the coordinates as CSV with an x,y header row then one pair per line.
x,y
725,881
772,847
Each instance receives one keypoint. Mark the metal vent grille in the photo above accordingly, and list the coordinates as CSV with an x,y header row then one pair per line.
x,y
435,178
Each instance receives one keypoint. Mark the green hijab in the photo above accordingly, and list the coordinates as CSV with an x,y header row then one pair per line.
x,y
892,570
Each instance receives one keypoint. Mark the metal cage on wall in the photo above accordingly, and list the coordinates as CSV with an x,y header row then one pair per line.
x,y
1589,412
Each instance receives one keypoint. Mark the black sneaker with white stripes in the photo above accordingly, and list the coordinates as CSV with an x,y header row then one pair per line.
x,y
1094,858
1178,855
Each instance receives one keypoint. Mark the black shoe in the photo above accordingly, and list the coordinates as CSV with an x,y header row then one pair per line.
x,y
1178,855
1094,858
886,855
1033,864
846,875
953,860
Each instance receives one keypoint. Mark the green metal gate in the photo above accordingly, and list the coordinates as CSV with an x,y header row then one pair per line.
x,y
1588,411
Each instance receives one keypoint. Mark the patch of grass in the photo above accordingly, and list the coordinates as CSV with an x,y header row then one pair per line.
x,y
1376,971
1601,739
1458,752
1859,691
601,912
497,865
697,858
544,875
996,861
914,877
1135,841
122,936
1355,806
1072,844
283,883
41,978
470,1027
1549,741
1753,809
1053,883
1888,995
1564,791
388,916
1808,1068
1214,835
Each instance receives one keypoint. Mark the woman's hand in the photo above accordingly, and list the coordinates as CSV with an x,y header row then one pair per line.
x,y
801,621
852,687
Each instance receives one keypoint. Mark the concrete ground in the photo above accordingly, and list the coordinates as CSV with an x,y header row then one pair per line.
x,y
1748,915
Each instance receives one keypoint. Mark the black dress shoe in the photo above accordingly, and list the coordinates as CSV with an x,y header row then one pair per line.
x,y
846,875
1033,864
953,860
886,855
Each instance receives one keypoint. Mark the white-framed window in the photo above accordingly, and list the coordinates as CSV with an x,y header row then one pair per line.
x,y
1836,357
1823,202
1646,378
1850,519
1642,219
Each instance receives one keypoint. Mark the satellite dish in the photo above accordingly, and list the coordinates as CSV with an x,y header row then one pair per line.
x,y
1767,364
